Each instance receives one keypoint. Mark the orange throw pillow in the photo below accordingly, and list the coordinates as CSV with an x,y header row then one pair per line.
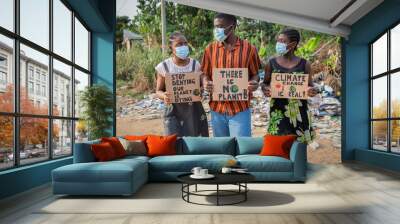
x,y
161,145
116,145
136,137
103,151
277,145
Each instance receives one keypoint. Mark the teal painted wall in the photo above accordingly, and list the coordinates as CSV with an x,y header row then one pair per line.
x,y
99,15
356,83
379,159
24,178
103,53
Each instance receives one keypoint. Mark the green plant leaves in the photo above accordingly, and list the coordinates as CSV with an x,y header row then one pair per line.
x,y
97,103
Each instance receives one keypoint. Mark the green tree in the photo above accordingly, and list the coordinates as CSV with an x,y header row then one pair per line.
x,y
123,22
322,50
147,22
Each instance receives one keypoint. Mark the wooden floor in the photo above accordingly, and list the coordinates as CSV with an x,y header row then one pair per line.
x,y
377,188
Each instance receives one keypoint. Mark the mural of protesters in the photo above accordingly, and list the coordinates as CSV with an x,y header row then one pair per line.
x,y
230,118
183,119
289,116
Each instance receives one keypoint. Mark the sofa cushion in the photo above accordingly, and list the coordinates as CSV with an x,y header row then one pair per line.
x,y
83,152
249,145
131,158
277,145
103,152
134,147
116,145
185,163
257,163
136,137
205,145
112,171
161,145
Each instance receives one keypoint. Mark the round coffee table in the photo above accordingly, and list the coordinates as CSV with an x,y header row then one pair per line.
x,y
238,179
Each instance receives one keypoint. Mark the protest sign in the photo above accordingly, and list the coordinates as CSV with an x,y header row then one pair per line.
x,y
290,86
230,84
183,87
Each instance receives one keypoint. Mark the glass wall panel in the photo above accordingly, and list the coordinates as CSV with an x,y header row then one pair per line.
x,y
34,84
6,142
34,21
6,74
34,144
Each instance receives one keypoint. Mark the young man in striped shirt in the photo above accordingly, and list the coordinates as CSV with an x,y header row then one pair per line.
x,y
230,118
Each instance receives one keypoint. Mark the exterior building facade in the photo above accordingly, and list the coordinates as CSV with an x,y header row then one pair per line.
x,y
34,80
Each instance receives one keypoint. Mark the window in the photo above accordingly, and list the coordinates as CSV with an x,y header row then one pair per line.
x,y
3,72
7,14
30,72
81,45
55,101
3,61
38,89
6,74
33,147
6,142
385,96
30,87
44,91
38,75
62,74
62,29
47,76
44,77
62,137
35,21
81,82
395,47
3,78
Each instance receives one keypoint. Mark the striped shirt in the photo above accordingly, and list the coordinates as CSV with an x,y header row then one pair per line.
x,y
242,55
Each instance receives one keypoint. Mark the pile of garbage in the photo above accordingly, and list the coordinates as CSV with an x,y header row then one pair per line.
x,y
325,107
148,108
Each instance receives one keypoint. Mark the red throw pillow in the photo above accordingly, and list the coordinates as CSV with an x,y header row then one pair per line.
x,y
277,145
103,151
116,145
136,137
161,145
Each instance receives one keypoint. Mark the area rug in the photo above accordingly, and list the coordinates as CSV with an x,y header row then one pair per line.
x,y
166,198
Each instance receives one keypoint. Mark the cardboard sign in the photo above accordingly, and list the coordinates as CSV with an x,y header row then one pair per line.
x,y
184,87
230,84
290,86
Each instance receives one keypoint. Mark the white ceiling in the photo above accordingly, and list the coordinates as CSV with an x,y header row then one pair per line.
x,y
314,15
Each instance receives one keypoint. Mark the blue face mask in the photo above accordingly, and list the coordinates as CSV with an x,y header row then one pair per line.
x,y
281,48
182,52
219,34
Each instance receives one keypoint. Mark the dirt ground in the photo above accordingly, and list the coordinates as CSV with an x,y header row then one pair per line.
x,y
324,154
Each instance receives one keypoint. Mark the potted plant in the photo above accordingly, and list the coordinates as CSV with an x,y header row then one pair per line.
x,y
97,104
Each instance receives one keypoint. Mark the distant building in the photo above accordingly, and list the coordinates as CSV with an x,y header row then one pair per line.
x,y
34,78
129,38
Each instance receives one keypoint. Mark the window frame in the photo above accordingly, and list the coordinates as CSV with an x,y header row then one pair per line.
x,y
16,114
388,74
